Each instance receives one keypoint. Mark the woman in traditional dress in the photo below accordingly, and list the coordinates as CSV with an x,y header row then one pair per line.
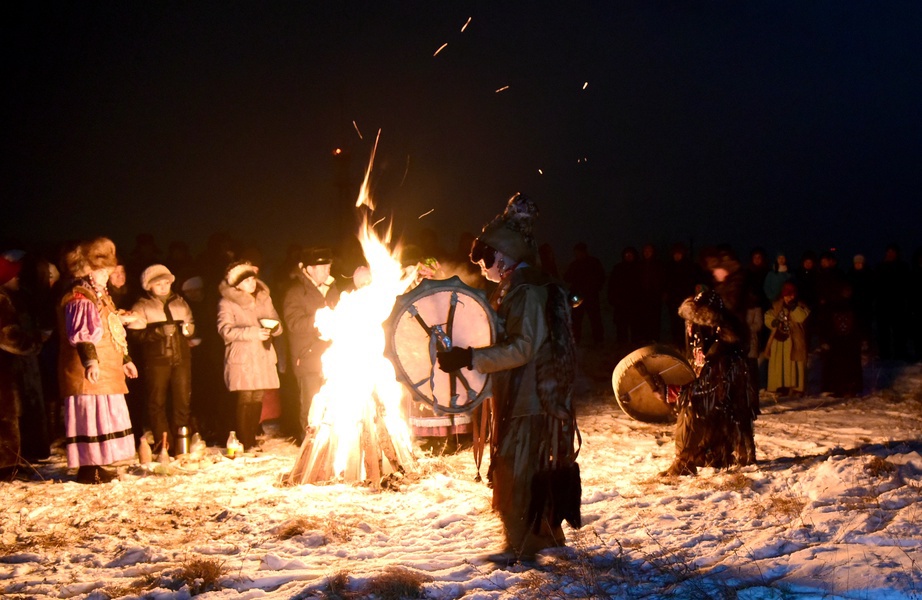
x,y
249,357
93,364
533,468
787,342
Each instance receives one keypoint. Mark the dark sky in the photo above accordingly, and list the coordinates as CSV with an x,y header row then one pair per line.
x,y
785,124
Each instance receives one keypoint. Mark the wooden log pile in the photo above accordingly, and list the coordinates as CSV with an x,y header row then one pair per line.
x,y
372,458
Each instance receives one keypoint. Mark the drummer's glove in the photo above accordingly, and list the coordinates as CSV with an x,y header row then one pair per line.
x,y
455,359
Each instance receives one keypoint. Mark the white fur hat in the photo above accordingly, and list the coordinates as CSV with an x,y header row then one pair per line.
x,y
155,273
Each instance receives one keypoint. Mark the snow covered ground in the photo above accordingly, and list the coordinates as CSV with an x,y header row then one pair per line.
x,y
832,510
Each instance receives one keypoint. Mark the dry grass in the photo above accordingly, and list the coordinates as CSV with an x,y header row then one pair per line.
x,y
878,467
336,530
787,506
40,542
338,588
135,588
396,583
733,482
202,574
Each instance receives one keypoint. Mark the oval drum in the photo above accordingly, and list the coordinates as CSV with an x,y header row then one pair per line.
x,y
434,315
640,378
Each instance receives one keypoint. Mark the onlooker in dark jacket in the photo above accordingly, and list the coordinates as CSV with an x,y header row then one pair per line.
x,y
680,277
585,277
841,343
861,279
891,286
315,289
623,284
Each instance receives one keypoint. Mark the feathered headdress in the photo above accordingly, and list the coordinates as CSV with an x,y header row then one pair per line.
x,y
512,232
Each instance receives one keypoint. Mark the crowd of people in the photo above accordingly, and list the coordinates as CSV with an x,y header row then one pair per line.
x,y
108,353
793,309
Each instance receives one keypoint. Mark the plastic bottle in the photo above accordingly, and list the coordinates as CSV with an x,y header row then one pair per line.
x,y
234,447
144,453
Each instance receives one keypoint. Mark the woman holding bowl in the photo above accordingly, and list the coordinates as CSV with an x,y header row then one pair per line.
x,y
247,322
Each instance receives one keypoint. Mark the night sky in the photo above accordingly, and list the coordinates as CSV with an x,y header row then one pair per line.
x,y
790,125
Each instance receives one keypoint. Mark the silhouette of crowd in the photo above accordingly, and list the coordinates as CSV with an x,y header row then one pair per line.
x,y
800,312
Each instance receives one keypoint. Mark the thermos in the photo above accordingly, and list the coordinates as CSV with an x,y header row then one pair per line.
x,y
182,441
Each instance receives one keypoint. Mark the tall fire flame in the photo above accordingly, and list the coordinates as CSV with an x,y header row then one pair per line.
x,y
357,431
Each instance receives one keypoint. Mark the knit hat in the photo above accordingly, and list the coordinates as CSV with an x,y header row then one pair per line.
x,y
512,232
319,255
8,269
788,288
153,274
238,271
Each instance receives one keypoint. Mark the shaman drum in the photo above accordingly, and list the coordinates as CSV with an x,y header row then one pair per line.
x,y
640,379
436,315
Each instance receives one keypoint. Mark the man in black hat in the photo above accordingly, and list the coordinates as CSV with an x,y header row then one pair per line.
x,y
314,289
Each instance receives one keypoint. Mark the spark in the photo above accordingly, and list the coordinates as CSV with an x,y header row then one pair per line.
x,y
364,196
354,124
429,212
585,85
502,89
466,24
540,172
378,222
405,171
442,47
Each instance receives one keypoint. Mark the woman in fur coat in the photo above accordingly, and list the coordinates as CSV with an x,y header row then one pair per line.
x,y
249,356
93,364
533,468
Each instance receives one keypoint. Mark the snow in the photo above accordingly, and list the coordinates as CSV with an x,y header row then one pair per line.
x,y
833,509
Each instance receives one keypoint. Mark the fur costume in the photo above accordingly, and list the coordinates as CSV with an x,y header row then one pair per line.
x,y
512,232
715,412
533,448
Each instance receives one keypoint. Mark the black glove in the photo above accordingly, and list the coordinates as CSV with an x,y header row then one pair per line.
x,y
455,359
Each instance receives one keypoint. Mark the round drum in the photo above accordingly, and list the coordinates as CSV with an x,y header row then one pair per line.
x,y
434,316
640,379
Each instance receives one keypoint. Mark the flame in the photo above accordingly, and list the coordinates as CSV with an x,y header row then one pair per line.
x,y
360,382
364,195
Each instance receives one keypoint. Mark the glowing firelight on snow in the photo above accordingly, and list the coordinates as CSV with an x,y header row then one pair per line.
x,y
355,418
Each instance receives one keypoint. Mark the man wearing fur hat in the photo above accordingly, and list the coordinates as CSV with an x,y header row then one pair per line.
x,y
533,452
162,330
93,364
716,411
314,289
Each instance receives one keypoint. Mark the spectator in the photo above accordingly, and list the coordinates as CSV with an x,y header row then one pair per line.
x,y
16,341
787,343
94,363
314,290
586,278
162,331
892,305
623,286
250,358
